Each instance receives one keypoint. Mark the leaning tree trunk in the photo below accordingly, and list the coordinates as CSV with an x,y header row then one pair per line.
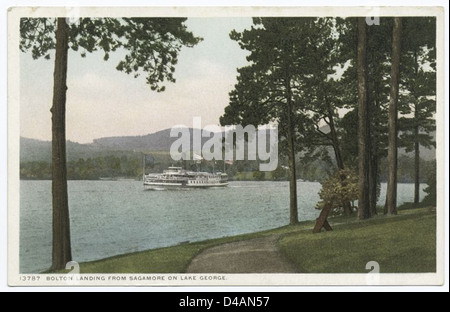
x,y
363,126
61,222
337,153
391,207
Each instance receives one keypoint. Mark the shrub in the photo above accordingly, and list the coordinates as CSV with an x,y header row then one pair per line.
x,y
339,188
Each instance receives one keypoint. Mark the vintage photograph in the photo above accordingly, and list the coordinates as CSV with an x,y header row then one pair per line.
x,y
208,146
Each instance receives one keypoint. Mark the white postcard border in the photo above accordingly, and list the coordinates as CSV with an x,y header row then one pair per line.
x,y
16,279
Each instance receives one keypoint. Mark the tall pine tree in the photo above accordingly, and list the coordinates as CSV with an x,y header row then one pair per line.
x,y
322,91
268,89
418,90
152,46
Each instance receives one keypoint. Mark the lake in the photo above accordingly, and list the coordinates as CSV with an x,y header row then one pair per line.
x,y
109,218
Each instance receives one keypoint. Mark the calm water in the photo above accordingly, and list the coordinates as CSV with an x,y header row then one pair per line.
x,y
115,217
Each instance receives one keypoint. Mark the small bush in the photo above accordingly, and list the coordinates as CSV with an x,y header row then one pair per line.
x,y
340,188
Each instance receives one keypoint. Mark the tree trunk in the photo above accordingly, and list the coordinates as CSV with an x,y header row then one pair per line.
x,y
392,152
374,108
416,136
335,140
321,221
371,145
338,154
417,164
62,253
291,146
373,186
363,126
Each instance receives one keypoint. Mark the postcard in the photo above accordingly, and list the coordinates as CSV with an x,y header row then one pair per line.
x,y
225,146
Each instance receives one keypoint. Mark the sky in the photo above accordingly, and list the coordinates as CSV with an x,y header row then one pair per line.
x,y
103,102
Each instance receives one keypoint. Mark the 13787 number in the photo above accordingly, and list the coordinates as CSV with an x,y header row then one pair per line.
x,y
30,278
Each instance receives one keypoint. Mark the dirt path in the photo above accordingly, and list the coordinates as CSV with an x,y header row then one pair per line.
x,y
258,255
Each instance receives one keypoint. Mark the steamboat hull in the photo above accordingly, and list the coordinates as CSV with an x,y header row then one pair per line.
x,y
162,186
177,178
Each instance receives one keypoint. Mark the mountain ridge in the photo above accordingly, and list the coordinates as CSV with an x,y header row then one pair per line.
x,y
160,141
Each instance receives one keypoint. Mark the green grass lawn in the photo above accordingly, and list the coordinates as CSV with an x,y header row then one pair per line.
x,y
404,243
400,244
171,259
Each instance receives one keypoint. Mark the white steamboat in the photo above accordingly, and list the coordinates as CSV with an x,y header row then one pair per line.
x,y
176,177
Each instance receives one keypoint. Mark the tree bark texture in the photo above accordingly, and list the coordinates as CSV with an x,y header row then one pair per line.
x,y
363,125
338,155
291,146
391,207
61,254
